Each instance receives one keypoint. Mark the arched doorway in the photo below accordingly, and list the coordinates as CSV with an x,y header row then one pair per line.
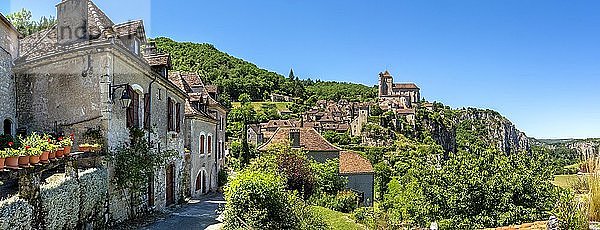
x,y
201,182
8,127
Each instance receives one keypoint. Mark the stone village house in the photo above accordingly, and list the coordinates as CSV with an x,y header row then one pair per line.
x,y
356,168
9,50
72,77
202,128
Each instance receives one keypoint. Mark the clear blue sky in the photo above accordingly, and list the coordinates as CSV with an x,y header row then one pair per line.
x,y
537,61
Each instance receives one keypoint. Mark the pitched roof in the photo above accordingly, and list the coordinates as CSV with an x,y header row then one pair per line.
x,y
99,27
130,28
353,163
310,140
405,86
158,59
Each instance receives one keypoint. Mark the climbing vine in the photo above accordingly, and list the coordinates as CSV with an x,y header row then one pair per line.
x,y
136,162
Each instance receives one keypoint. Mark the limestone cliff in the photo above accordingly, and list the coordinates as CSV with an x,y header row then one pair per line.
x,y
583,149
462,127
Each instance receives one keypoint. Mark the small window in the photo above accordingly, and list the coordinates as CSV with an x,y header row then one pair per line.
x,y
209,146
201,144
136,46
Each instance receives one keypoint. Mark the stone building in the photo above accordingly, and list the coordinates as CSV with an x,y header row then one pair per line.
x,y
203,97
340,117
397,95
356,168
360,174
78,76
200,134
255,135
9,50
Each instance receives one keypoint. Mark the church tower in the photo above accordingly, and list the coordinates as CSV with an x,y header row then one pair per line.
x,y
385,84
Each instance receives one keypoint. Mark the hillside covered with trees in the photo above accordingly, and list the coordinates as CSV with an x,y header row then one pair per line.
x,y
235,76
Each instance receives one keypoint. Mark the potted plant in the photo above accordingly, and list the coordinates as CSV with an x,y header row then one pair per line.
x,y
52,154
34,155
3,156
89,147
24,156
44,145
66,143
12,158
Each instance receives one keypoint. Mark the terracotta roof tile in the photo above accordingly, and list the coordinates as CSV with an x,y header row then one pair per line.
x,y
130,28
310,140
158,59
353,163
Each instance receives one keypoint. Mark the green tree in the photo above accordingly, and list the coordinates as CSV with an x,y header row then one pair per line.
x,y
22,20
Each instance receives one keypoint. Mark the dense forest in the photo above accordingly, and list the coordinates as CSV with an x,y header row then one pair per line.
x,y
235,76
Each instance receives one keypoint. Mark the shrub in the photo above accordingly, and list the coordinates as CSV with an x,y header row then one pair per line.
x,y
222,179
327,178
570,212
258,200
344,201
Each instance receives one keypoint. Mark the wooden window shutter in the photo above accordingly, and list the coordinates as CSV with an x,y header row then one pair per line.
x,y
147,111
201,144
169,114
135,104
129,110
178,117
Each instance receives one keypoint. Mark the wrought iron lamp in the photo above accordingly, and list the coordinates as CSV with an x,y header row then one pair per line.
x,y
125,96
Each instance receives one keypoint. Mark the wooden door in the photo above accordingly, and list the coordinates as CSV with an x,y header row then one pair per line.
x,y
170,184
151,190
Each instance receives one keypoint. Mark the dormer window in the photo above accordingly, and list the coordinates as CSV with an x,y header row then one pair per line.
x,y
136,46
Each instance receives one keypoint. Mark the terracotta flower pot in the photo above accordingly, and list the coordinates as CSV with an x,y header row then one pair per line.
x,y
44,157
2,163
34,160
60,153
24,161
12,162
52,155
67,150
84,149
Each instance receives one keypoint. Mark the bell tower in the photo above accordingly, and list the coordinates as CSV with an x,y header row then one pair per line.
x,y
385,84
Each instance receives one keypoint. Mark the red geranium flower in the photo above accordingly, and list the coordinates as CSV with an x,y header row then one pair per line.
x,y
27,147
10,144
60,139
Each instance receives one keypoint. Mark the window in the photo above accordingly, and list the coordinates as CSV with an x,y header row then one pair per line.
x,y
178,117
8,127
201,144
133,117
170,115
136,46
209,146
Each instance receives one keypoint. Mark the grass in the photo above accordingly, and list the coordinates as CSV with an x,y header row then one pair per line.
x,y
281,106
337,220
564,181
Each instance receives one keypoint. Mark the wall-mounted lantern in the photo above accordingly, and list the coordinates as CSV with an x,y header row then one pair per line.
x,y
125,96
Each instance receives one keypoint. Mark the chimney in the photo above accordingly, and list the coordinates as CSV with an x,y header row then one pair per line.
x,y
295,138
72,17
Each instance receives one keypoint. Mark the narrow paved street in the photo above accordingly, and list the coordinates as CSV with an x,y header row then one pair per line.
x,y
198,214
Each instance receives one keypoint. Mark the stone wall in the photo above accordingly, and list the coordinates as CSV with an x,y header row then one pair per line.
x,y
362,183
60,202
15,214
8,52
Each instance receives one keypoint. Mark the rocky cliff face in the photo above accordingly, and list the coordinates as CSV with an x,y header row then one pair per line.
x,y
451,128
582,149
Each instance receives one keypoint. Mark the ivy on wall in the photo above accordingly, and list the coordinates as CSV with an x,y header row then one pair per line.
x,y
15,214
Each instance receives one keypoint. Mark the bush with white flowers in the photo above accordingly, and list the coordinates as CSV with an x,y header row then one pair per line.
x,y
60,201
15,214
93,188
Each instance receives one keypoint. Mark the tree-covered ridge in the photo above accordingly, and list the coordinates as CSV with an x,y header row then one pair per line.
x,y
329,90
235,76
232,75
